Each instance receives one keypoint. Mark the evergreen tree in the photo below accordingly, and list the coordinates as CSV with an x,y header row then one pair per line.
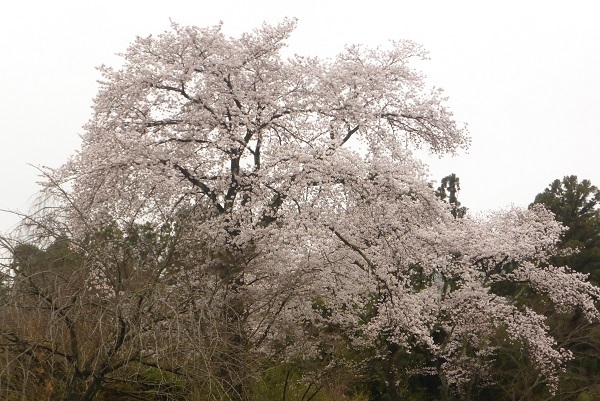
x,y
448,191
575,205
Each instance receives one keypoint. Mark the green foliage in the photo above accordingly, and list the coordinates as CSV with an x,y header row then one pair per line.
x,y
575,205
586,396
146,382
448,191
290,383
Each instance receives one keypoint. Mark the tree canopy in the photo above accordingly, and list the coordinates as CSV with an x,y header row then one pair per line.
x,y
575,205
227,196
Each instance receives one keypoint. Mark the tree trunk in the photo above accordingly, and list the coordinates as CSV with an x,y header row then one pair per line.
x,y
391,386
82,389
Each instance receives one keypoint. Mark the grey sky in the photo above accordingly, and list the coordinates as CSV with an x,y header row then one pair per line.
x,y
523,74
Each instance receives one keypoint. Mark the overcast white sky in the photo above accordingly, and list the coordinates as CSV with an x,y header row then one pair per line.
x,y
523,74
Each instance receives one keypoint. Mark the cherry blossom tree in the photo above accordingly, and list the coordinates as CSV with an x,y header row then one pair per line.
x,y
293,179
